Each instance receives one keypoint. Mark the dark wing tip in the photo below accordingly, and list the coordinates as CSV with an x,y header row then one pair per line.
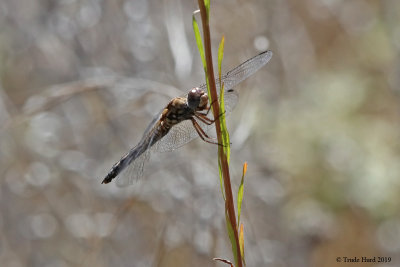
x,y
266,55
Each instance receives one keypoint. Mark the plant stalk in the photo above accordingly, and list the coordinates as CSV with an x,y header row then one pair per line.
x,y
222,157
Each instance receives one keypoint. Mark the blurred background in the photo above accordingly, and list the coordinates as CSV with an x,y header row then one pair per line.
x,y
318,126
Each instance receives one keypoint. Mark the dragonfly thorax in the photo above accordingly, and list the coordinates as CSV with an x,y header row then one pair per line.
x,y
197,99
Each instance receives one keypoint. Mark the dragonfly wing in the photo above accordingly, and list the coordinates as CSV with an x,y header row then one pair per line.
x,y
243,71
230,101
134,171
179,135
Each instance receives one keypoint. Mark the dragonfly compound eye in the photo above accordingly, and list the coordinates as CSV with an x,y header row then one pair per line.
x,y
193,97
203,100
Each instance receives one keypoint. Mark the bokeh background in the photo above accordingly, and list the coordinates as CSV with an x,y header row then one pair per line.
x,y
318,126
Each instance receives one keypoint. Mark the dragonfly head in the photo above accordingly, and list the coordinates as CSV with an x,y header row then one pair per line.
x,y
197,98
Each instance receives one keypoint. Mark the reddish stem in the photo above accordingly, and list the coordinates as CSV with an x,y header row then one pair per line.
x,y
214,100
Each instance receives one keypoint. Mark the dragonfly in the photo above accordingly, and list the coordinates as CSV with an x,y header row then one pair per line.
x,y
182,120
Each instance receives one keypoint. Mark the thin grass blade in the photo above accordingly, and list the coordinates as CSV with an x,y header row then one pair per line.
x,y
241,241
241,191
231,235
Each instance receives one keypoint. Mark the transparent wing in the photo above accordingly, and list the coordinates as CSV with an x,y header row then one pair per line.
x,y
242,72
134,171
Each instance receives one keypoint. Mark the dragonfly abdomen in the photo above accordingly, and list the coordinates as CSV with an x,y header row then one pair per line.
x,y
135,152
118,167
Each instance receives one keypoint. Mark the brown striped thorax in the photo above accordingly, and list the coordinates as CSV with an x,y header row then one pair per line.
x,y
184,108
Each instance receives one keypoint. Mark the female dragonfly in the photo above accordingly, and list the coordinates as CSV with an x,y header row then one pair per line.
x,y
182,120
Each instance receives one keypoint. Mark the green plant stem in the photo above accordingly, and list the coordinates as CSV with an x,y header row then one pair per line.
x,y
222,157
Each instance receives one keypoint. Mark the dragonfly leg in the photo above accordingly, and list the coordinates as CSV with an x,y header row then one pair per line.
x,y
209,108
203,118
203,134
